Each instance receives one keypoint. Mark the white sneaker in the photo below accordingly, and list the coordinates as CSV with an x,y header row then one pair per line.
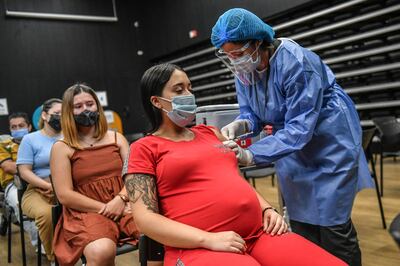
x,y
52,263
41,250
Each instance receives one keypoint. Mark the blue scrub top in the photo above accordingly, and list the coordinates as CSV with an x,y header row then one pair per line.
x,y
35,150
316,144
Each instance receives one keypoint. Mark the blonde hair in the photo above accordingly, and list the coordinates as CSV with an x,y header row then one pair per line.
x,y
68,125
46,106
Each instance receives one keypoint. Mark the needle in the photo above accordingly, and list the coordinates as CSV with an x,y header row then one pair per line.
x,y
243,136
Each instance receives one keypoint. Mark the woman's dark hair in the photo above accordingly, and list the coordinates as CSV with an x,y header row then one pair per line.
x,y
152,84
46,107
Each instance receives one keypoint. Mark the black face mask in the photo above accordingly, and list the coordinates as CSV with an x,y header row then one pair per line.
x,y
55,122
86,118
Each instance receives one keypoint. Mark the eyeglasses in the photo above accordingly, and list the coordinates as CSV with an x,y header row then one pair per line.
x,y
233,53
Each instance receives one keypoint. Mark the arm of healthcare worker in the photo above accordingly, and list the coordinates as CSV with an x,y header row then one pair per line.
x,y
60,167
303,90
247,121
273,222
142,193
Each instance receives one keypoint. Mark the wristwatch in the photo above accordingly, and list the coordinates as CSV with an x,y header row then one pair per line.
x,y
124,197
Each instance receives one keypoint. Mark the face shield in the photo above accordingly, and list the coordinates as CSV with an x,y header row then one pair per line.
x,y
242,67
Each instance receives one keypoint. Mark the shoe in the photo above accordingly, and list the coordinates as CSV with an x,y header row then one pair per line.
x,y
3,225
52,263
41,250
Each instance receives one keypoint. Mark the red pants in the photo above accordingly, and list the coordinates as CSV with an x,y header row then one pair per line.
x,y
288,249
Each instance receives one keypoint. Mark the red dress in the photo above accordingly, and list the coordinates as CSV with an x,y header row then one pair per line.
x,y
198,184
96,173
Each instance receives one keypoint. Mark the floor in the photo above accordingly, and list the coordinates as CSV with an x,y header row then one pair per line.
x,y
378,248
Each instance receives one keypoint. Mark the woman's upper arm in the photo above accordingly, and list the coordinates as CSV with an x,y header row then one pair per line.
x,y
217,132
142,192
60,167
22,168
25,154
123,146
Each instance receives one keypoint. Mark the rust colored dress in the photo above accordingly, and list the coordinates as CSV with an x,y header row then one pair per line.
x,y
96,173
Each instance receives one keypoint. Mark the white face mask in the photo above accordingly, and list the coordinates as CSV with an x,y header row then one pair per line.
x,y
244,67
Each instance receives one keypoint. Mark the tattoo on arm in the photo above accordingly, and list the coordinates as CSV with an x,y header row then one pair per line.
x,y
142,186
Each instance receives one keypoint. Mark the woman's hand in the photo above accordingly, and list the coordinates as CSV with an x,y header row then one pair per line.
x,y
127,209
113,209
227,241
274,223
46,190
47,193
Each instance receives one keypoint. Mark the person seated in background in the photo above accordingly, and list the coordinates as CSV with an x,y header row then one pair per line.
x,y
187,193
33,165
19,126
86,168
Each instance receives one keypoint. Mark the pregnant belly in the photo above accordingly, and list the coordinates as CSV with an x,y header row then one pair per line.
x,y
234,209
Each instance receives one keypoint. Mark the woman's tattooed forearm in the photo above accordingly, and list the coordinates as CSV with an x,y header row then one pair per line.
x,y
141,186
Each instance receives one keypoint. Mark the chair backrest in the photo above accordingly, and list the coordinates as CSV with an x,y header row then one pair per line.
x,y
21,185
56,209
133,137
367,135
149,250
389,128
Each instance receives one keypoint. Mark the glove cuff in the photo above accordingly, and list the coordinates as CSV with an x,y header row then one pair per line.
x,y
250,157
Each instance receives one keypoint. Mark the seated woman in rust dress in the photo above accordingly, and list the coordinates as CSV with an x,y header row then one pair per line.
x,y
86,170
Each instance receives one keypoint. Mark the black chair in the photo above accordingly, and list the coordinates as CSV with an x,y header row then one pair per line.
x,y
389,129
56,213
7,216
367,136
21,186
395,229
149,250
133,137
258,171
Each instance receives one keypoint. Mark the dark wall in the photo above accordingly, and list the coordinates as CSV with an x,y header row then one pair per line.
x,y
167,23
39,59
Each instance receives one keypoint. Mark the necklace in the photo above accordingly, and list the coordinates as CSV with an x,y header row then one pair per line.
x,y
88,143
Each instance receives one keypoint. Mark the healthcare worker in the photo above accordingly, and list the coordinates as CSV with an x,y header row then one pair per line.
x,y
316,140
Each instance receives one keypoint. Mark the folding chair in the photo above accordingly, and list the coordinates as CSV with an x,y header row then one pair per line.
x,y
8,213
389,135
22,185
149,250
258,171
367,136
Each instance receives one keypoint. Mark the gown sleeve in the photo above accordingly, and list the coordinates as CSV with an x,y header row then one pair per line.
x,y
303,92
245,110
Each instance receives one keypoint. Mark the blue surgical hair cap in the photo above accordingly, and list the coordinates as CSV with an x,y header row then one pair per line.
x,y
238,24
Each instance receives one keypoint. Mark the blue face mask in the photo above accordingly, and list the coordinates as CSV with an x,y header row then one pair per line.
x,y
183,109
19,134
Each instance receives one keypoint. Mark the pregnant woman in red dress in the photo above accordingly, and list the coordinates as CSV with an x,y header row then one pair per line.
x,y
187,193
